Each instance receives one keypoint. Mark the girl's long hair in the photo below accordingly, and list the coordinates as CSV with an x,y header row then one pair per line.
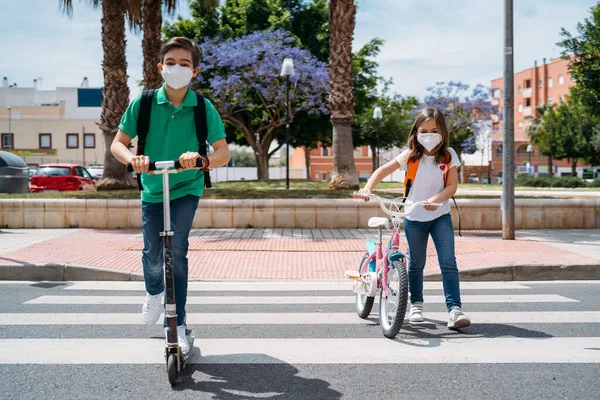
x,y
416,151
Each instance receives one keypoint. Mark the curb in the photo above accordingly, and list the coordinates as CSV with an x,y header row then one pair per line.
x,y
528,272
63,272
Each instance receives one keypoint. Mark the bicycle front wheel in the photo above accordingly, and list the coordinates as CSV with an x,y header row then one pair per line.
x,y
364,304
393,308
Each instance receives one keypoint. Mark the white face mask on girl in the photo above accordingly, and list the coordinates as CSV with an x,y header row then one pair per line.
x,y
176,76
429,140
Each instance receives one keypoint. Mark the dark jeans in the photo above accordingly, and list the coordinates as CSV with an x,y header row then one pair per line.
x,y
442,233
182,216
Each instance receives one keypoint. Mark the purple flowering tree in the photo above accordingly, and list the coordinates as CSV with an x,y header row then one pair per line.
x,y
241,77
468,115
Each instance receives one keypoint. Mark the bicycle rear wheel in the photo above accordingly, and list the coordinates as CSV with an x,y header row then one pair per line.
x,y
364,304
393,308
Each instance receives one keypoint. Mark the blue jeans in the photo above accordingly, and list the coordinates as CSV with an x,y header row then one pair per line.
x,y
442,233
182,216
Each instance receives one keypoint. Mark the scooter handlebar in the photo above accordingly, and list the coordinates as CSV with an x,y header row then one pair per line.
x,y
154,165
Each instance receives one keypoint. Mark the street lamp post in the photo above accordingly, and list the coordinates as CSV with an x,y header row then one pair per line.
x,y
508,166
530,151
287,70
10,128
377,115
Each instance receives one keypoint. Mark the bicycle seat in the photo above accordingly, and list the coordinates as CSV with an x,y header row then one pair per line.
x,y
376,222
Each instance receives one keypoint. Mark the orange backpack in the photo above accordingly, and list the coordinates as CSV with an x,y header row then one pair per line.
x,y
411,173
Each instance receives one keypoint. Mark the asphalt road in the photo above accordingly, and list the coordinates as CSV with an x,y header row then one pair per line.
x,y
529,340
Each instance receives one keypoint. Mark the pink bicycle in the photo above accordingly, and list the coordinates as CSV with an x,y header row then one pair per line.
x,y
387,273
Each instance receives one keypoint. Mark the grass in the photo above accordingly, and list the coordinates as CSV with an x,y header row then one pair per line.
x,y
263,190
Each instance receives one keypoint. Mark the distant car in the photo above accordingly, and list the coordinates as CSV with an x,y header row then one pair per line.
x,y
61,178
96,171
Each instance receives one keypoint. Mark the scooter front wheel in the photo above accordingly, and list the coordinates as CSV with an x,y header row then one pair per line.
x,y
172,368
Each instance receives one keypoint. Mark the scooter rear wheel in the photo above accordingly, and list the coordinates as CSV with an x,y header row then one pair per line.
x,y
172,368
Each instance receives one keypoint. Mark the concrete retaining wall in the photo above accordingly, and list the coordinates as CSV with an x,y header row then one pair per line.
x,y
476,214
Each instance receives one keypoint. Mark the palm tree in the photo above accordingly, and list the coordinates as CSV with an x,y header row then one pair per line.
x,y
341,98
152,42
115,97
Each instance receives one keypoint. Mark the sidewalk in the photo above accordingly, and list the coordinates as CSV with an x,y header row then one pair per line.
x,y
297,253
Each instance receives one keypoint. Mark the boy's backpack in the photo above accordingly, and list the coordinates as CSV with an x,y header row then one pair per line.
x,y
143,125
411,173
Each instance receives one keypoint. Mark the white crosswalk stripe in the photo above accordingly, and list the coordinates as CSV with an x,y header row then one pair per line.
x,y
96,306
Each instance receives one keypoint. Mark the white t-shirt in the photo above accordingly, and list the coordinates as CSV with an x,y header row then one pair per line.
x,y
429,181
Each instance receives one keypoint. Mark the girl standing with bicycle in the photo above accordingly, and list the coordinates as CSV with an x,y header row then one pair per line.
x,y
431,176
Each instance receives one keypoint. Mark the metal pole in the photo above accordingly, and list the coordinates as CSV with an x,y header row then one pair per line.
x,y
377,144
287,138
10,129
508,166
83,142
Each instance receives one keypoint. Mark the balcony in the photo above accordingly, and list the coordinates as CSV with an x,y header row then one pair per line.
x,y
527,92
527,112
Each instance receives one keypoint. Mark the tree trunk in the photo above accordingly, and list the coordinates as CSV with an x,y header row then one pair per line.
x,y
341,98
262,166
151,43
550,167
307,162
115,97
574,167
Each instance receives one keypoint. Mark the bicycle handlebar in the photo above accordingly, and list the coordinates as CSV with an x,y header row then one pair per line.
x,y
393,203
155,165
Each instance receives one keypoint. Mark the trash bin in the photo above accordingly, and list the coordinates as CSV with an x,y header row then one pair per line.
x,y
14,174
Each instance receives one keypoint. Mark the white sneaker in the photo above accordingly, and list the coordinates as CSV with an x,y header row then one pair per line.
x,y
152,308
416,312
457,319
182,340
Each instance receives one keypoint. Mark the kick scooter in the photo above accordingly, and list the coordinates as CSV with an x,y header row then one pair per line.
x,y
173,355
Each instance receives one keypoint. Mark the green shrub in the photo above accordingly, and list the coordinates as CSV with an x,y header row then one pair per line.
x,y
595,183
568,182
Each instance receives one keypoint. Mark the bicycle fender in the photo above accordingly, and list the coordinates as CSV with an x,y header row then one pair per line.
x,y
395,256
371,246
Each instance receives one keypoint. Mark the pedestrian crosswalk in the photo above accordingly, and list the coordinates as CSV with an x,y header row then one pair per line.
x,y
300,322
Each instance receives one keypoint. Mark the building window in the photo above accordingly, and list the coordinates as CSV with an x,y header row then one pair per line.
x,y
499,151
520,107
527,102
72,141
541,102
496,93
45,140
541,84
89,141
549,100
520,124
561,79
549,82
520,89
325,152
8,141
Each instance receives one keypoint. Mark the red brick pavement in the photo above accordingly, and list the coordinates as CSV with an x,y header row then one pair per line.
x,y
274,257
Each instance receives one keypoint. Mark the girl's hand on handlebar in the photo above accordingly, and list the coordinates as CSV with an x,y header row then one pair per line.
x,y
430,207
140,164
188,160
364,192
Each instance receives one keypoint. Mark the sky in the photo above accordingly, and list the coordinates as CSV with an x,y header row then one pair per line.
x,y
426,41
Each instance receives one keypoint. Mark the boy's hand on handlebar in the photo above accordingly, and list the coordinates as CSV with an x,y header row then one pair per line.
x,y
188,160
140,164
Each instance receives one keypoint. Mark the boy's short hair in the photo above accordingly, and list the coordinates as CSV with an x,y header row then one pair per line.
x,y
181,43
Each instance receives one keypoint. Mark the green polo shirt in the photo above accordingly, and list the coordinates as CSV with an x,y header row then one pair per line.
x,y
172,132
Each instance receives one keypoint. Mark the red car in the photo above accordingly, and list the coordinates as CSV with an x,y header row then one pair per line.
x,y
61,178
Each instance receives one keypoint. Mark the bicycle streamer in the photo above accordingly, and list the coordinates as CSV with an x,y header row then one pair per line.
x,y
411,173
143,125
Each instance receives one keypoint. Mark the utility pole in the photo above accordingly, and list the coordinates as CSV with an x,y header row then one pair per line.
x,y
508,165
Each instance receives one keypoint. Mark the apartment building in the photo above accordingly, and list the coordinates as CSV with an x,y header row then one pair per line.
x,y
46,126
545,84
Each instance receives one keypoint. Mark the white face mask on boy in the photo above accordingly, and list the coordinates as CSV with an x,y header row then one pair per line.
x,y
429,140
176,76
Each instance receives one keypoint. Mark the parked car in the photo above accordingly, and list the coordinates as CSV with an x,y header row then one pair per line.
x,y
61,178
96,171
